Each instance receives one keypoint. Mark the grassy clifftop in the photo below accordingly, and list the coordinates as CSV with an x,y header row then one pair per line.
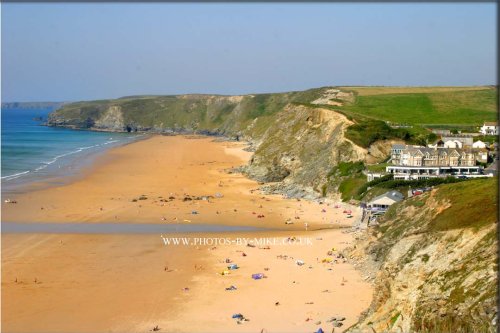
x,y
298,136
368,107
425,105
437,258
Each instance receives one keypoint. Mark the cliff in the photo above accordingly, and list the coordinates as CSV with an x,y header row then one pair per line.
x,y
225,115
296,140
300,147
434,262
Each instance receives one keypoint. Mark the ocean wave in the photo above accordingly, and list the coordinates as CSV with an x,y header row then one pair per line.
x,y
14,176
45,164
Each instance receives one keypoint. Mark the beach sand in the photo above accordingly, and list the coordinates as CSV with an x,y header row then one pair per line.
x,y
123,283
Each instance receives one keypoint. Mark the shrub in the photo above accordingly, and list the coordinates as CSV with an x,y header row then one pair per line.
x,y
344,169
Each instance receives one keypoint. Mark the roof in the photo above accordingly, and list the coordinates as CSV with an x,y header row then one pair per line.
x,y
437,151
392,195
398,146
457,136
440,130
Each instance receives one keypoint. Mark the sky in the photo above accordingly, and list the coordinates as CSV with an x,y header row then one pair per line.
x,y
84,51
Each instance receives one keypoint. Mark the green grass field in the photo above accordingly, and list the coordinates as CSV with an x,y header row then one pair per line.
x,y
350,186
473,204
383,90
467,107
377,167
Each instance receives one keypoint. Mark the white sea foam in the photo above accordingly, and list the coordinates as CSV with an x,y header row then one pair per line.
x,y
45,164
14,176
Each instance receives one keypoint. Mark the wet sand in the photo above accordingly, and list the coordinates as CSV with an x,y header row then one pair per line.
x,y
122,282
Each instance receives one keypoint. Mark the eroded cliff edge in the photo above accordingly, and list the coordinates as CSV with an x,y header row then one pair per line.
x,y
433,259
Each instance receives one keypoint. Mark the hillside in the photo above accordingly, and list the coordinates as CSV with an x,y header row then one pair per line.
x,y
434,260
439,105
297,136
225,115
300,147
274,124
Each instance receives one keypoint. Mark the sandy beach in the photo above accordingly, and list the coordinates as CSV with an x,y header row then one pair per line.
x,y
124,283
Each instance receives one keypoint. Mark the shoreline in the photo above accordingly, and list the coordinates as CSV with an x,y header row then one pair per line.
x,y
133,282
76,170
234,187
84,168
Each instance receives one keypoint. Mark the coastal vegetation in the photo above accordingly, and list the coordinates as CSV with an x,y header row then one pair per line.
x,y
413,110
430,106
367,131
440,247
300,136
347,177
443,106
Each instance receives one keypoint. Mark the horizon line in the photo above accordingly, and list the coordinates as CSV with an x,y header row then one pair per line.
x,y
255,93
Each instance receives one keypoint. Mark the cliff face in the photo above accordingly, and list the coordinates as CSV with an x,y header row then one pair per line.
x,y
434,261
111,119
296,142
300,147
228,115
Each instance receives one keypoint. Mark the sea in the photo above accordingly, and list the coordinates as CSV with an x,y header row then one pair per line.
x,y
36,154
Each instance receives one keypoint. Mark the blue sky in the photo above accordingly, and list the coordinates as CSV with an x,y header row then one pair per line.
x,y
67,52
